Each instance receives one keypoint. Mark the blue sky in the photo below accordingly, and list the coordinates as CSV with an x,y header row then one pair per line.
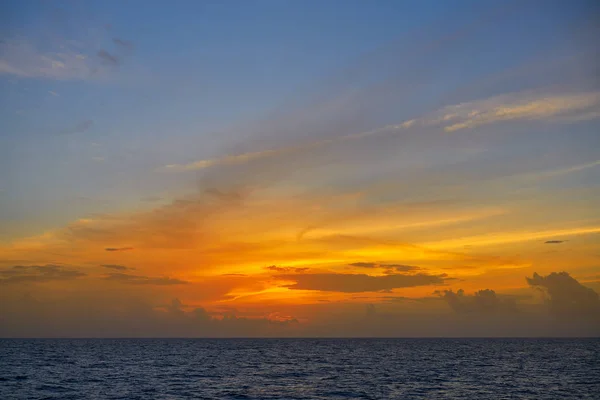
x,y
280,161
193,77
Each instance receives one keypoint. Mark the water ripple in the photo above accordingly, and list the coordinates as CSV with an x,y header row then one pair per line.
x,y
300,369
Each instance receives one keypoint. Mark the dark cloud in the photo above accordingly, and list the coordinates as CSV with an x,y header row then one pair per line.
x,y
118,248
151,199
363,265
286,269
117,267
114,59
355,283
129,317
402,299
566,296
143,280
79,128
37,273
109,58
390,267
554,241
226,195
123,43
484,301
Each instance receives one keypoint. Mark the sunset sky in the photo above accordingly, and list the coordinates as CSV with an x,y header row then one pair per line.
x,y
308,168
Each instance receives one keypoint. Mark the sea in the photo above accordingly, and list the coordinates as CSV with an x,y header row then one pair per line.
x,y
299,369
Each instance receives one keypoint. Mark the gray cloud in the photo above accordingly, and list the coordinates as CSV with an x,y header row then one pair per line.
x,y
79,128
566,297
151,199
98,313
108,58
115,58
143,280
230,196
37,273
483,301
355,283
126,316
117,267
554,241
123,43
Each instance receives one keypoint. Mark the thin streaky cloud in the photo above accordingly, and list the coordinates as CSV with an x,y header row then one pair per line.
x,y
142,280
511,107
118,248
23,59
505,108
494,239
116,267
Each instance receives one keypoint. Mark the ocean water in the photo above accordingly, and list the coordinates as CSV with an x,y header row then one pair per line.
x,y
300,369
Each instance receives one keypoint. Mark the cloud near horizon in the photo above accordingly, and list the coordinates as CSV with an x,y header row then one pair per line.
x,y
566,297
356,283
483,314
254,197
482,301
37,274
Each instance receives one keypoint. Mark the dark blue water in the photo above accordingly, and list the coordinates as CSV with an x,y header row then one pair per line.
x,y
300,369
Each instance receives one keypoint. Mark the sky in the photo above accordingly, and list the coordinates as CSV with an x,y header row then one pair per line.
x,y
267,168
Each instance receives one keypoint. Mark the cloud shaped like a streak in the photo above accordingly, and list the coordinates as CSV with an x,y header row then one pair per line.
x,y
513,107
243,158
143,280
509,107
117,267
118,248
356,283
38,273
566,296
554,241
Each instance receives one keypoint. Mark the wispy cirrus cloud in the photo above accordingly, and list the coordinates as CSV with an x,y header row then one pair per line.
x,y
23,59
509,237
61,60
521,106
